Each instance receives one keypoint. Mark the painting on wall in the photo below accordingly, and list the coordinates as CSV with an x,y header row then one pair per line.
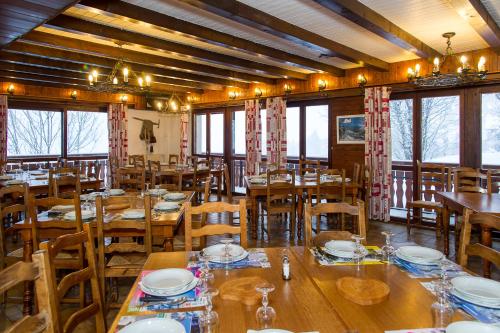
x,y
351,129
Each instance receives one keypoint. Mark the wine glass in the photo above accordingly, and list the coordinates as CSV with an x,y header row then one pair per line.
x,y
387,249
227,258
209,319
265,314
359,250
442,310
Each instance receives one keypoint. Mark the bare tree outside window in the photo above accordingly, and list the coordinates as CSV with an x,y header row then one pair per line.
x,y
87,132
490,129
402,129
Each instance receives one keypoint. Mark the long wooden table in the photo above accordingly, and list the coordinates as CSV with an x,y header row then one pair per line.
x,y
41,186
254,191
163,227
457,201
310,301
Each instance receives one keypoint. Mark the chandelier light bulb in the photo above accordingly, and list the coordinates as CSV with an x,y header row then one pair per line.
x,y
159,105
481,64
148,80
140,81
463,61
435,69
125,74
459,70
417,70
94,74
91,79
115,80
173,105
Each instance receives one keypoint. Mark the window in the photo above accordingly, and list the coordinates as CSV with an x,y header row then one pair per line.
x,y
239,130
293,132
402,129
33,132
200,134
440,129
317,131
263,122
490,129
216,133
87,132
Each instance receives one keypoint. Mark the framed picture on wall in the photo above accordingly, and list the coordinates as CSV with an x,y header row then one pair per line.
x,y
351,129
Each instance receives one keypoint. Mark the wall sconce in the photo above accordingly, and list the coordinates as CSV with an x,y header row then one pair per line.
x,y
233,94
287,88
124,98
362,81
258,92
159,105
74,94
322,84
11,89
413,73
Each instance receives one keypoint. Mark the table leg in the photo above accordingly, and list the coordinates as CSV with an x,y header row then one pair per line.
x,y
219,189
28,285
168,244
254,217
300,206
446,229
486,241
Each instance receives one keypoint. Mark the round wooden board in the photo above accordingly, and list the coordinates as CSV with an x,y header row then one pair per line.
x,y
362,291
241,290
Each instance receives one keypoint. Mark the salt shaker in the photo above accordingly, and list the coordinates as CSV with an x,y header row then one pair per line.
x,y
285,263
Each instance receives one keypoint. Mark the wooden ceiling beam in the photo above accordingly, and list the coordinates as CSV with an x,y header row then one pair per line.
x,y
249,16
40,83
73,24
488,29
206,35
82,46
369,19
51,53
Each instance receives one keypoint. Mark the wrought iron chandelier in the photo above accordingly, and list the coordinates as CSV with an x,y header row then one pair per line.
x,y
120,80
463,75
172,105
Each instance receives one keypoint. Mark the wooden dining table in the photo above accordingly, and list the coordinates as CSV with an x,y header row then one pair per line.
x,y
163,226
254,191
310,301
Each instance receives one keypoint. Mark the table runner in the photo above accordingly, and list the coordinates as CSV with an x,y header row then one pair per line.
x,y
190,320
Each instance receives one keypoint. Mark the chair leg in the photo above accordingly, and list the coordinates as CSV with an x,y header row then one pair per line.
x,y
292,226
268,226
439,224
408,222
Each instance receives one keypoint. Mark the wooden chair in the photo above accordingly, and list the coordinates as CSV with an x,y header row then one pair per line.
x,y
39,272
83,239
173,159
61,172
280,199
131,180
137,161
330,192
431,178
169,180
217,164
485,252
494,180
215,229
357,210
229,193
119,252
308,166
201,171
66,186
467,179
356,173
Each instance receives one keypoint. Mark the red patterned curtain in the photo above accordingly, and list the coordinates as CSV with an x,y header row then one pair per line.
x,y
184,139
3,128
378,150
117,129
276,131
253,136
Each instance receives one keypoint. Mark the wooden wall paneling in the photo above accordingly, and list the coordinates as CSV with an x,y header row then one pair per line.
x,y
470,129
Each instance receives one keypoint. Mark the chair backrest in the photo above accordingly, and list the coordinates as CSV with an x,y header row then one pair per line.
x,y
66,186
154,166
215,229
328,189
61,172
308,166
227,183
39,272
467,249
216,163
356,173
331,208
466,179
277,189
493,180
94,170
431,178
137,161
84,239
173,159
161,178
131,179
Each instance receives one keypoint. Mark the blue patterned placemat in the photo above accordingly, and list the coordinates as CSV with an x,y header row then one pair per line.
x,y
427,271
256,258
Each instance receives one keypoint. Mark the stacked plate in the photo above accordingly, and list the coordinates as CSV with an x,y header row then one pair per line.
x,y
419,255
471,326
340,248
310,175
158,192
6,177
168,282
116,191
166,206
174,196
257,180
133,214
90,196
14,182
477,290
216,253
203,167
86,215
154,325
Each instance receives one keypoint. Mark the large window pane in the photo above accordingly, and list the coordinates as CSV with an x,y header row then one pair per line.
x,y
33,132
317,131
87,132
440,129
402,129
292,132
490,129
217,133
200,133
263,121
239,141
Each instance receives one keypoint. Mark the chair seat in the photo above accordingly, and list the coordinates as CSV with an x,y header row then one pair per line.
x,y
425,204
19,253
127,260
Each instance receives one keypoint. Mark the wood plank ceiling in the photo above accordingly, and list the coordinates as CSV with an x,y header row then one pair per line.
x,y
197,45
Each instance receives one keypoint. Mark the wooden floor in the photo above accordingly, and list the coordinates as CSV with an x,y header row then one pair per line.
x,y
279,237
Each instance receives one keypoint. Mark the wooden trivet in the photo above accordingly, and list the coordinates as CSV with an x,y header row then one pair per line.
x,y
242,290
362,291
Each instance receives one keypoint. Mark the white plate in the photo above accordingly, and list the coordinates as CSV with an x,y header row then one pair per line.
x,y
416,261
116,191
471,327
476,301
86,215
170,278
478,288
169,293
158,191
154,325
341,254
6,177
220,260
217,250
166,206
134,214
174,196
311,175
257,181
340,245
421,254
14,182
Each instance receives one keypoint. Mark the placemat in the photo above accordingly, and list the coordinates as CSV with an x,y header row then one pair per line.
x,y
416,271
190,320
194,299
256,258
325,259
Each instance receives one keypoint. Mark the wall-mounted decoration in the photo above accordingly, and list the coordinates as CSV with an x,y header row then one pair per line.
x,y
351,129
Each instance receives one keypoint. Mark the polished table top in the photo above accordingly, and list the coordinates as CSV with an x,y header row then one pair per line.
x,y
300,182
310,301
479,202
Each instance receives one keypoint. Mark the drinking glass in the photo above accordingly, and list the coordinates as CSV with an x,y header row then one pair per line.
x,y
387,249
359,251
227,258
442,310
209,319
265,314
